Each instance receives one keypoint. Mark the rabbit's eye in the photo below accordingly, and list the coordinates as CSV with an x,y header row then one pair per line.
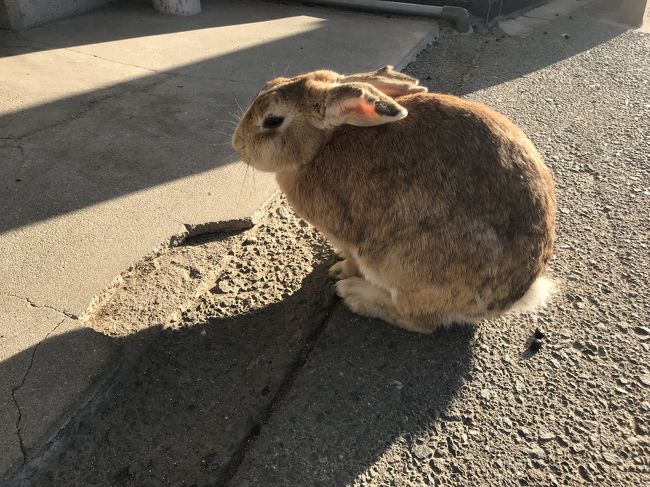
x,y
272,122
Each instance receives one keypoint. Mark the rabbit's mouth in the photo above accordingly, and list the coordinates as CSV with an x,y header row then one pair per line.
x,y
241,149
243,156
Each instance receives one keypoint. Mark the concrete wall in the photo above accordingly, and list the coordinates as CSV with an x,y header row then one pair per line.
x,y
22,14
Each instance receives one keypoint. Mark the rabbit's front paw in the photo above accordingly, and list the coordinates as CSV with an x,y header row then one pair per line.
x,y
362,297
355,292
343,270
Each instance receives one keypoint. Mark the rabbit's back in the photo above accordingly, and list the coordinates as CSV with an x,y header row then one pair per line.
x,y
455,193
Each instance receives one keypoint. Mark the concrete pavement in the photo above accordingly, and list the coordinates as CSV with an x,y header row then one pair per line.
x,y
253,388
114,130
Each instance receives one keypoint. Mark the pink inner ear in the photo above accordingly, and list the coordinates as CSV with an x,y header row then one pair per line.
x,y
361,108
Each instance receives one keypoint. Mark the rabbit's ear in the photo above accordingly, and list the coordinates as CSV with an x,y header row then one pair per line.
x,y
360,104
388,81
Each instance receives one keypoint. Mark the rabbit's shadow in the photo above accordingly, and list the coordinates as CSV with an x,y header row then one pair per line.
x,y
369,393
241,398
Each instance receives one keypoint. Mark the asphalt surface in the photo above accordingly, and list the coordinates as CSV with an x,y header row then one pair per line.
x,y
353,401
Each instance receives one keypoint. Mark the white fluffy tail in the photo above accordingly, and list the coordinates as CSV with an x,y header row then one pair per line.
x,y
537,295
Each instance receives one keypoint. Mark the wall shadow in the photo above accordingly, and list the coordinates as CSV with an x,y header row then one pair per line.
x,y
79,151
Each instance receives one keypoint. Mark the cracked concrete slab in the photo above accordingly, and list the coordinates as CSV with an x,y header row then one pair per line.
x,y
23,327
64,364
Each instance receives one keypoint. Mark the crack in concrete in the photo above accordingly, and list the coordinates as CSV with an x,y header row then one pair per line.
x,y
16,388
67,314
170,73
114,61
86,109
231,468
67,119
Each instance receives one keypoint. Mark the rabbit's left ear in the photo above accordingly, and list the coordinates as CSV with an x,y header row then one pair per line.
x,y
360,104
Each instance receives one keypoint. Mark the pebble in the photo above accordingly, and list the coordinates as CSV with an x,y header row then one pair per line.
x,y
645,379
282,213
422,452
539,334
250,241
546,436
536,451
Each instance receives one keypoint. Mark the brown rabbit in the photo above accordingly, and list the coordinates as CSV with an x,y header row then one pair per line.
x,y
441,207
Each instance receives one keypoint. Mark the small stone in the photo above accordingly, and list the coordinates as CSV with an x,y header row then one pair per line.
x,y
645,379
565,36
546,436
250,241
422,452
536,451
539,333
282,213
486,394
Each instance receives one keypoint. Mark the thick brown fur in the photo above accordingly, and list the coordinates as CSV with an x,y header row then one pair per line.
x,y
445,215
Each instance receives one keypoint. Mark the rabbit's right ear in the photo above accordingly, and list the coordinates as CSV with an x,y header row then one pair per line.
x,y
360,104
388,81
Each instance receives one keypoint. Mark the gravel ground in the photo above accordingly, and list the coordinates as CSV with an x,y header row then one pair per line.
x,y
482,408
258,382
